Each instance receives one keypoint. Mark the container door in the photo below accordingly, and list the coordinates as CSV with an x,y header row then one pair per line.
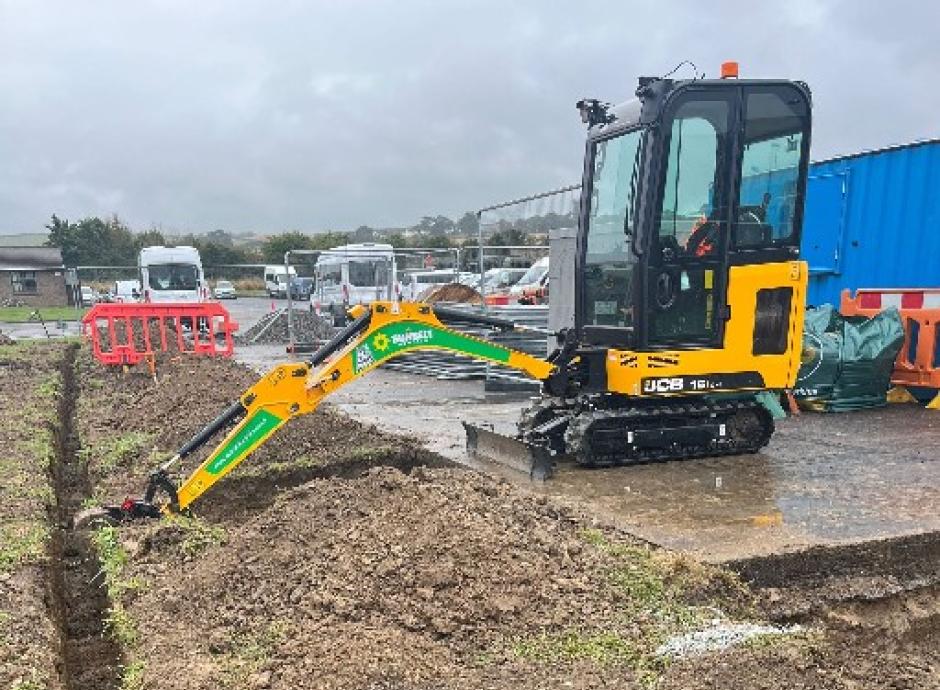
x,y
824,222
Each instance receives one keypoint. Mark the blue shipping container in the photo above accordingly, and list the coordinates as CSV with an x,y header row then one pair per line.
x,y
872,220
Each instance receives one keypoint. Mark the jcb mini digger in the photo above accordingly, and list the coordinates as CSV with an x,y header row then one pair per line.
x,y
689,296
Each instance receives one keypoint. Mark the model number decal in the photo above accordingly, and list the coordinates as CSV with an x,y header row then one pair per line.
x,y
660,385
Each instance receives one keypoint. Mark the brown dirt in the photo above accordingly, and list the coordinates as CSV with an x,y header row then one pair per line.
x,y
386,580
29,635
340,557
452,292
889,643
190,393
90,658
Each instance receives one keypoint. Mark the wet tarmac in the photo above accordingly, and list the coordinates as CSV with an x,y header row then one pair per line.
x,y
823,480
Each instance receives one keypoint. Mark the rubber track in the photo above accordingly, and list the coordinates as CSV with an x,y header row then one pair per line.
x,y
583,442
589,449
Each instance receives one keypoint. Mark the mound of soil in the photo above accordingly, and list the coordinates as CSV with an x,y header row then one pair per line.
x,y
129,424
341,557
427,579
451,292
272,328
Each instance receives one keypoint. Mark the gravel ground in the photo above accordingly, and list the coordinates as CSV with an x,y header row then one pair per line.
x,y
272,328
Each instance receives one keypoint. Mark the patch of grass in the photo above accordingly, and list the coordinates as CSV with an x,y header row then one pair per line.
x,y
660,594
116,450
599,647
24,314
22,351
132,675
250,653
48,388
669,589
802,640
22,542
199,534
40,447
31,684
113,558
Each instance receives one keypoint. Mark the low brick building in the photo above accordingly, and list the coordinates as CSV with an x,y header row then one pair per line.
x,y
34,276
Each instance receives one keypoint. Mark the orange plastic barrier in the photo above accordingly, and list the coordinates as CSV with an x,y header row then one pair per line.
x,y
129,333
918,363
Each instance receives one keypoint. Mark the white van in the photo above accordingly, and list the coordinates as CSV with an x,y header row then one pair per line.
x,y
172,274
276,280
533,279
353,274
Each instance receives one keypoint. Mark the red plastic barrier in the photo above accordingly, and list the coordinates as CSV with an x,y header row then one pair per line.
x,y
128,333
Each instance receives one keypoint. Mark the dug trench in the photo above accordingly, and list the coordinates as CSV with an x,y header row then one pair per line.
x,y
90,658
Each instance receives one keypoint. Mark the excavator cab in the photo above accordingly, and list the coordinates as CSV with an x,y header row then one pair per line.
x,y
689,233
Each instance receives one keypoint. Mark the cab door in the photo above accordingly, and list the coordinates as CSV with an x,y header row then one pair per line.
x,y
685,276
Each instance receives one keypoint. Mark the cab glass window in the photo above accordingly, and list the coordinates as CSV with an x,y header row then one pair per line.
x,y
608,262
173,277
694,212
770,168
368,273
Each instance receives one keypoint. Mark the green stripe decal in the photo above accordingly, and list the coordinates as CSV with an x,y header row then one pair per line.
x,y
259,425
393,338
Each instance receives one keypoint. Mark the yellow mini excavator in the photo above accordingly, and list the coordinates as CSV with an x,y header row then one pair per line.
x,y
689,297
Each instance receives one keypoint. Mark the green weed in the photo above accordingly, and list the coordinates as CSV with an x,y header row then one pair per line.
x,y
114,559
132,675
801,640
654,589
22,542
599,647
250,653
199,535
31,684
116,450
48,388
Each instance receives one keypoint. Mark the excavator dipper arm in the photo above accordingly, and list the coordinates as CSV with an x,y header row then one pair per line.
x,y
378,333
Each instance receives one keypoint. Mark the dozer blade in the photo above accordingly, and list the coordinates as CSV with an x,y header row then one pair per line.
x,y
487,445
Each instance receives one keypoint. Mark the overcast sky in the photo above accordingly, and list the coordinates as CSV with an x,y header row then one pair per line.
x,y
312,115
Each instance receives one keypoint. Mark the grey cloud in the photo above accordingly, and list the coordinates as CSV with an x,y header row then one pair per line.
x,y
332,114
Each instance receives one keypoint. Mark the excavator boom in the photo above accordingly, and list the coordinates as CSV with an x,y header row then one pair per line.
x,y
377,333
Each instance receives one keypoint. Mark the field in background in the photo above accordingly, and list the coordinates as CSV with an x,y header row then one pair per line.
x,y
24,314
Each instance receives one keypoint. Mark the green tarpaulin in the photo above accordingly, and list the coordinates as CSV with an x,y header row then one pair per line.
x,y
847,360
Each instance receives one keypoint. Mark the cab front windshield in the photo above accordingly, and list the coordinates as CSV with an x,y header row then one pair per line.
x,y
173,277
608,261
366,273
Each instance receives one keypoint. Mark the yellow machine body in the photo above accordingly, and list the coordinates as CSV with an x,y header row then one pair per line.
x,y
674,372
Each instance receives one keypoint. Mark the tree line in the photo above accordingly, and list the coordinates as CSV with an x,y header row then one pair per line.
x,y
94,241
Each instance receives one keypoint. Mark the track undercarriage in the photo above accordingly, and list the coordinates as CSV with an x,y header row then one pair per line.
x,y
610,430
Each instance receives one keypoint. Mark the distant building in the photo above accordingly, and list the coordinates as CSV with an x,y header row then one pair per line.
x,y
34,276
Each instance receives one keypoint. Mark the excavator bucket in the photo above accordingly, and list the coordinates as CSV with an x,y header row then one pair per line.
x,y
488,446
